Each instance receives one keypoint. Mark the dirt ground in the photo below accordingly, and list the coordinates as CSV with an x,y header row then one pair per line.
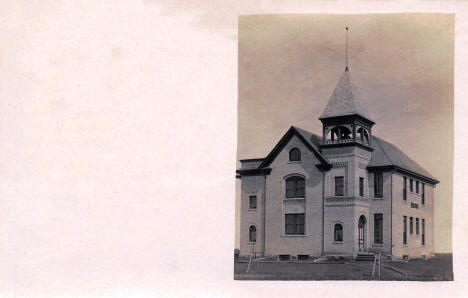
x,y
435,269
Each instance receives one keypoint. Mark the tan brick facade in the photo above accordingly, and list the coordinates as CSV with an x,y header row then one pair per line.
x,y
343,196
345,210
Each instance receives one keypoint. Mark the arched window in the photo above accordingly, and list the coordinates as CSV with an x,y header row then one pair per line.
x,y
363,135
252,234
294,154
366,137
295,187
340,133
338,232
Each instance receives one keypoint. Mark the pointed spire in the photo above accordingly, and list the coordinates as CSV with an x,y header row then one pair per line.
x,y
345,100
347,68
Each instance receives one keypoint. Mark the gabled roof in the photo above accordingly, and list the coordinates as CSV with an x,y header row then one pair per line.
x,y
345,100
386,154
310,140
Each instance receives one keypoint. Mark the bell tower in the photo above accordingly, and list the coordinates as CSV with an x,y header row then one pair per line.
x,y
347,144
345,121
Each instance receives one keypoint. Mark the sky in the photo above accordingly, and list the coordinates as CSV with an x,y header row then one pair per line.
x,y
402,65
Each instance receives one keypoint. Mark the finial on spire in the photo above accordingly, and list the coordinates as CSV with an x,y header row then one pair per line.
x,y
346,69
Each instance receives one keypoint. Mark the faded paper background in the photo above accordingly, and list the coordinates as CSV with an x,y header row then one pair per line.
x,y
402,64
118,142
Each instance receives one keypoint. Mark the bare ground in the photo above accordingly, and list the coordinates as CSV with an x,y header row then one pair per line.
x,y
435,269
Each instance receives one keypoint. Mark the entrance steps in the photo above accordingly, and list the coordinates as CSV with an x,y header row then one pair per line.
x,y
365,257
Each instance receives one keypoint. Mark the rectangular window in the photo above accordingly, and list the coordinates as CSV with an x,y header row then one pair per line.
x,y
417,186
339,186
294,224
411,225
378,228
361,186
411,185
404,189
295,187
417,226
404,230
423,231
378,185
423,199
253,202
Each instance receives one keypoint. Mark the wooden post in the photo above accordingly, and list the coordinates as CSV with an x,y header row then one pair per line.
x,y
379,265
373,267
250,260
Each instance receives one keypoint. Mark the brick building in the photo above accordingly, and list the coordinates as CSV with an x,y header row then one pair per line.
x,y
341,193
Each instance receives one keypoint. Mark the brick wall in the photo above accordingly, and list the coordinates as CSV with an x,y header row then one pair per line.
x,y
414,248
277,205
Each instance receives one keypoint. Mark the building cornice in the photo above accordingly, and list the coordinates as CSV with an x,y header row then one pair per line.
x,y
393,168
251,159
347,144
340,119
253,172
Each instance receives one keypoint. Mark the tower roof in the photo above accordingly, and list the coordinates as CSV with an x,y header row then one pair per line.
x,y
344,100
